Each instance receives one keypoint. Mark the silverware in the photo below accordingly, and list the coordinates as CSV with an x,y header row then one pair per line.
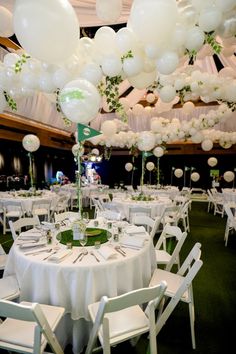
x,y
98,260
44,259
76,259
84,254
38,252
118,249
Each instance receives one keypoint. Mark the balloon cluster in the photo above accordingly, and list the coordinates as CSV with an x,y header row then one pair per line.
x,y
77,67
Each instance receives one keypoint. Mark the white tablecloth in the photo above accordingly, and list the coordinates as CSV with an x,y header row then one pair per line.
x,y
74,286
156,206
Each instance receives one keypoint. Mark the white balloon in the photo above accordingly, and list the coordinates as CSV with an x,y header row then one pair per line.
x,y
133,66
105,39
143,79
47,30
210,18
167,63
153,21
229,176
128,166
109,128
188,107
212,161
150,166
80,101
3,102
207,145
91,72
178,172
77,150
137,109
60,77
158,151
95,152
150,97
108,11
111,65
195,176
6,22
146,141
125,40
10,59
167,93
31,142
194,39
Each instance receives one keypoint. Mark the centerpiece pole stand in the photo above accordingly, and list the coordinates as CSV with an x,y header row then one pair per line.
x,y
31,172
158,172
78,182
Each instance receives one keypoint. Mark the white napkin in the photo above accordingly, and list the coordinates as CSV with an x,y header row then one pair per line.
x,y
133,229
107,252
33,244
30,234
135,242
59,256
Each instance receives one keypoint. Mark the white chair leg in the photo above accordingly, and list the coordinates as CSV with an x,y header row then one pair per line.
x,y
192,320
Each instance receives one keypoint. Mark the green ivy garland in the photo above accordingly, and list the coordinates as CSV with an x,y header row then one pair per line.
x,y
67,122
10,101
21,62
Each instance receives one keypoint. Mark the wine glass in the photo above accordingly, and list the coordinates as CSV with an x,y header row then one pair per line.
x,y
83,239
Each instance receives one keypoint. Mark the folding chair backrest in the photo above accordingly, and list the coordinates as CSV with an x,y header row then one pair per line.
x,y
229,214
138,210
66,215
16,226
193,264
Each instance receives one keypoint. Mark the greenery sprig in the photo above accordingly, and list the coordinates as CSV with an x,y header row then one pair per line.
x,y
10,101
210,39
129,54
192,54
110,89
183,92
66,121
21,62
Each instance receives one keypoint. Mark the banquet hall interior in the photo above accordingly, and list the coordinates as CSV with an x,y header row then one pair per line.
x,y
117,176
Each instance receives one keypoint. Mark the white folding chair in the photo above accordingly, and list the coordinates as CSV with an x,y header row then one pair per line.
x,y
163,255
149,223
135,210
230,223
179,287
66,215
9,288
3,258
16,226
41,208
121,318
12,210
29,327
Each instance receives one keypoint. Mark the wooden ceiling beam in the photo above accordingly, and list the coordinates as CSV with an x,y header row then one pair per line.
x,y
8,43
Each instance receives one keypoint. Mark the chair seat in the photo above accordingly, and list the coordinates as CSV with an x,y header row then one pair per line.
x,y
173,282
3,260
21,333
9,288
13,214
40,211
123,323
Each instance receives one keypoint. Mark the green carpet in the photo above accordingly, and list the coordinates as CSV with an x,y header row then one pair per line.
x,y
214,293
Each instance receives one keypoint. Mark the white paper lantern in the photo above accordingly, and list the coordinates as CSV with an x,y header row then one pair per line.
x,y
77,150
207,145
229,176
31,142
95,152
146,141
80,101
195,176
150,166
158,151
47,30
212,161
109,128
178,172
128,166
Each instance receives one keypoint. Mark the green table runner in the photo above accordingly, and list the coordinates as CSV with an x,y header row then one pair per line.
x,y
67,236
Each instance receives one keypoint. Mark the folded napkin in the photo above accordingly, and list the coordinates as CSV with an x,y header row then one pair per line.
x,y
33,244
59,256
30,234
135,242
135,229
107,252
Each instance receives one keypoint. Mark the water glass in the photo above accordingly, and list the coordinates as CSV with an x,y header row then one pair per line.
x,y
85,216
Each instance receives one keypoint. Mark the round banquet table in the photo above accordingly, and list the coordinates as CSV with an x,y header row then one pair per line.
x,y
157,206
75,285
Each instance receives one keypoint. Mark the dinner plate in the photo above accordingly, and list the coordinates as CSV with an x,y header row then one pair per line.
x,y
93,232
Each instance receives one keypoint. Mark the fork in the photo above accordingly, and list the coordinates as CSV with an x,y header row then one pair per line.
x,y
91,252
76,259
44,259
